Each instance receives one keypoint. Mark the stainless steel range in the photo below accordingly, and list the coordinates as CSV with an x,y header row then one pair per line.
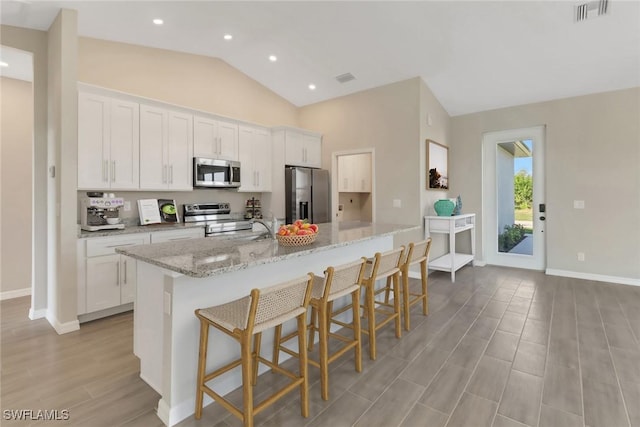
x,y
217,218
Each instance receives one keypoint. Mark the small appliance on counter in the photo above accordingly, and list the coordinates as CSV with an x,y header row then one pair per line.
x,y
217,218
101,213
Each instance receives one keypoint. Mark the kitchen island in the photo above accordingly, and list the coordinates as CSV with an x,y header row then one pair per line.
x,y
175,278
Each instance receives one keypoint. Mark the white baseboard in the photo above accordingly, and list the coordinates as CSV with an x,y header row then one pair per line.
x,y
63,328
596,277
15,293
37,314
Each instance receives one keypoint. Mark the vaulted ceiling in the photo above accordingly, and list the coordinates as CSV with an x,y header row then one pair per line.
x,y
474,55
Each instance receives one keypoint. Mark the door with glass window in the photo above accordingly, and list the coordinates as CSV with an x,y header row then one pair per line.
x,y
514,210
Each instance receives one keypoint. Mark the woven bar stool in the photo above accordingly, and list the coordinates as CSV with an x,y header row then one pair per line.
x,y
383,265
246,318
418,253
337,282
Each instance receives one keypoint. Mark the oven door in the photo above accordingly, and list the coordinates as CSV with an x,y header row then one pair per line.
x,y
212,173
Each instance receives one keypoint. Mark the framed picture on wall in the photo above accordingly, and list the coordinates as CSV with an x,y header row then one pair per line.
x,y
437,166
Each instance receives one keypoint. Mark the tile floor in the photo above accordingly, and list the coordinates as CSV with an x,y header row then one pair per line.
x,y
500,347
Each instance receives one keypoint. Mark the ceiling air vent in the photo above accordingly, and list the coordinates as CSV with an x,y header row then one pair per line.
x,y
591,9
346,77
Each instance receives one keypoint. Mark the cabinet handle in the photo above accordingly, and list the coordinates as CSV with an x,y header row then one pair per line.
x,y
118,281
171,174
304,155
124,277
164,174
113,171
105,171
219,145
119,245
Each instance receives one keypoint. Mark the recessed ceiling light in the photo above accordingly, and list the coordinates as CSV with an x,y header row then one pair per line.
x,y
273,58
312,87
158,21
3,64
228,36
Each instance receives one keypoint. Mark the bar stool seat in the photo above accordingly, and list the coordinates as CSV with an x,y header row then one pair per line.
x,y
383,266
337,282
243,319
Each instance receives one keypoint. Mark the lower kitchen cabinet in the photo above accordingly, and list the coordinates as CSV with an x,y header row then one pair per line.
x,y
106,280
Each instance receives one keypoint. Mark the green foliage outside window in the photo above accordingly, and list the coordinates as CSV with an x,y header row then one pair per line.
x,y
523,190
512,235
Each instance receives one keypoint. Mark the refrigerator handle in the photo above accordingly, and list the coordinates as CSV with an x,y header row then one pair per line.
x,y
304,210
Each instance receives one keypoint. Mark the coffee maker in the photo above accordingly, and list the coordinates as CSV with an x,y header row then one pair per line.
x,y
101,213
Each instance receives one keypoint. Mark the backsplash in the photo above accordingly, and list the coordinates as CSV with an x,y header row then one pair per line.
x,y
235,199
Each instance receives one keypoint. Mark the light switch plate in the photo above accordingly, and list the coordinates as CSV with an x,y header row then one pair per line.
x,y
578,204
397,203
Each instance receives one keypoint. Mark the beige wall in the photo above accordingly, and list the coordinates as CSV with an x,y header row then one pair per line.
x,y
16,146
200,82
592,154
36,42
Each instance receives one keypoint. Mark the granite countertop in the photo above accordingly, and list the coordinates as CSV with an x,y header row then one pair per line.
x,y
133,228
208,256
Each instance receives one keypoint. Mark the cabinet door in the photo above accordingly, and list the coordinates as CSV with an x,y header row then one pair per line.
x,y
205,137
93,142
293,149
227,141
127,279
362,175
345,172
312,150
180,151
174,235
125,145
103,285
154,170
248,176
262,159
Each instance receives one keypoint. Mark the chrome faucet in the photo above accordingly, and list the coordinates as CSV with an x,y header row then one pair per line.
x,y
267,226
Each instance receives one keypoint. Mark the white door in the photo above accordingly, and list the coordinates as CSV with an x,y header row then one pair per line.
x,y
513,198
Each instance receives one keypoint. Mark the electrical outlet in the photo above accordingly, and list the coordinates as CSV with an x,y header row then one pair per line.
x,y
397,203
127,206
578,204
580,256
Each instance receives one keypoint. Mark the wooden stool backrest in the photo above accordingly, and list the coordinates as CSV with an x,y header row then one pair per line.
x,y
387,263
341,279
419,251
276,304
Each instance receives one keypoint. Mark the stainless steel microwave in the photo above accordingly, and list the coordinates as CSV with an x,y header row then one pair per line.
x,y
214,173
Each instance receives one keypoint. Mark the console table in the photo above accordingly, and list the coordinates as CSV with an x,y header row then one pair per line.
x,y
451,225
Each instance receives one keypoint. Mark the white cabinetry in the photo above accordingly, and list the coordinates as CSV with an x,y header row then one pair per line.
x,y
354,173
451,225
215,139
255,159
106,279
108,141
166,149
302,148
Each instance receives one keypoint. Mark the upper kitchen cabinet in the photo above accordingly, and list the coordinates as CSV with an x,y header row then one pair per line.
x,y
255,159
166,149
108,143
215,139
301,148
354,173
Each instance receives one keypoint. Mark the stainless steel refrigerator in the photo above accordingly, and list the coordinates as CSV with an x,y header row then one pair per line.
x,y
307,194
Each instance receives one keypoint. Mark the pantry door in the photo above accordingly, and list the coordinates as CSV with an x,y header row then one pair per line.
x,y
513,199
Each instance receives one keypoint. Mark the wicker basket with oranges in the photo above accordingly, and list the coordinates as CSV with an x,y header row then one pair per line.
x,y
299,233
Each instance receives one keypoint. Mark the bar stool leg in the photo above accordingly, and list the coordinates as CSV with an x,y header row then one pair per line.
x,y
396,303
277,335
324,363
302,347
313,327
372,320
405,297
247,377
257,338
202,364
425,295
357,335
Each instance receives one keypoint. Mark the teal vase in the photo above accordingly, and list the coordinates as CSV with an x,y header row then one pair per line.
x,y
444,207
